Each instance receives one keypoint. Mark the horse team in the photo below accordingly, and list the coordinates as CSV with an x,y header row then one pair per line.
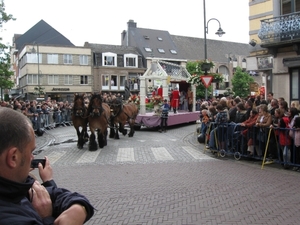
x,y
99,116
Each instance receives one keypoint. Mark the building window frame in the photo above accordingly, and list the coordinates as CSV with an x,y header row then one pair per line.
x,y
122,82
32,79
53,79
114,82
109,59
130,60
84,80
52,58
68,80
105,81
295,92
33,58
68,59
83,60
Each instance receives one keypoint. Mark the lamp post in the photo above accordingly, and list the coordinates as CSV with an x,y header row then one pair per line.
x,y
38,65
220,32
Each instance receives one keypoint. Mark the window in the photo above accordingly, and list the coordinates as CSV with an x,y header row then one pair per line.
x,y
83,60
53,79
68,79
105,82
161,50
290,6
159,38
68,59
84,79
52,58
130,60
114,82
148,49
32,79
33,57
295,84
173,51
109,59
122,82
146,37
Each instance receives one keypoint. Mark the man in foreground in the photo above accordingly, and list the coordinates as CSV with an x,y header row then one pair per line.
x,y
24,200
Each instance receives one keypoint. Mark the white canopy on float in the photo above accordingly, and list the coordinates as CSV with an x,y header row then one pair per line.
x,y
166,72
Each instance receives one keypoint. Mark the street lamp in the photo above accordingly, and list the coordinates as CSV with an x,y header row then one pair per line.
x,y
219,32
38,65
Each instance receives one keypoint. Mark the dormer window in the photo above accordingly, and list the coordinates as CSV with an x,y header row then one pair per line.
x,y
146,37
173,51
109,59
130,60
160,50
159,38
148,49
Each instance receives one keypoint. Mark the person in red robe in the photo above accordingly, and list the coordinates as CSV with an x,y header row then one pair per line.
x,y
160,91
154,92
175,99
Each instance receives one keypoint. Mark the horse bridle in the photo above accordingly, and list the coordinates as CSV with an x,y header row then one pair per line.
x,y
99,108
117,106
79,111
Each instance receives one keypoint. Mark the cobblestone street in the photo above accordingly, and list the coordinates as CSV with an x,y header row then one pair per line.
x,y
165,178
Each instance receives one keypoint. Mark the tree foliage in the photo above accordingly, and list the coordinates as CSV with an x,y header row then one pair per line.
x,y
196,69
5,73
241,83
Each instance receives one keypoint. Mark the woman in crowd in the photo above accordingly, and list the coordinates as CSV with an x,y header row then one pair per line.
x,y
263,121
249,130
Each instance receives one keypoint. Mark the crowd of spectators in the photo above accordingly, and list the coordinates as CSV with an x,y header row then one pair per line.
x,y
49,113
43,114
270,125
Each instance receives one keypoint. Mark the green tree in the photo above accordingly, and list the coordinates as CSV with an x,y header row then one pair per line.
x,y
5,73
195,68
241,83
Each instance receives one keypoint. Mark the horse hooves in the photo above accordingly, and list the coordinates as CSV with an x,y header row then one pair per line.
x,y
93,147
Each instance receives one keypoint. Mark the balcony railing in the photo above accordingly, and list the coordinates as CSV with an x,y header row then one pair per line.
x,y
282,29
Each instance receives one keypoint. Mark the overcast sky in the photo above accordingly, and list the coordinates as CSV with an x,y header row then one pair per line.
x,y
102,22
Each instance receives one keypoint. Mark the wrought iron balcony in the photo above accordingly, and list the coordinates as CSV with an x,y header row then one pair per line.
x,y
280,30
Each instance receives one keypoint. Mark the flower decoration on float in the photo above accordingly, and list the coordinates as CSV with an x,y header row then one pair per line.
x,y
156,100
134,99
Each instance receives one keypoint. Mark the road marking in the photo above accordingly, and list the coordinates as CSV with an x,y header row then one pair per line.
x,y
125,155
161,153
88,156
194,153
54,156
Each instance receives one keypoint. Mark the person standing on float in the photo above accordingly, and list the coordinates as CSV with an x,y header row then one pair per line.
x,y
175,99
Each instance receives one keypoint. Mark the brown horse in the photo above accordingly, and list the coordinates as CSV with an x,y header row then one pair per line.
x,y
79,119
98,118
120,115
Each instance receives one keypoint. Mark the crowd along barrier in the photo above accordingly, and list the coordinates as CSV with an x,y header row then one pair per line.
x,y
50,120
270,145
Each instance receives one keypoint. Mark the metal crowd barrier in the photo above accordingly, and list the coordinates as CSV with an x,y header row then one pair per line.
x,y
48,121
270,145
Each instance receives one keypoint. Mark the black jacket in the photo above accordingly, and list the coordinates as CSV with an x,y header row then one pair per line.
x,y
16,208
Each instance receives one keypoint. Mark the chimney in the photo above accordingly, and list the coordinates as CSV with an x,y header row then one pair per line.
x,y
131,24
123,36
